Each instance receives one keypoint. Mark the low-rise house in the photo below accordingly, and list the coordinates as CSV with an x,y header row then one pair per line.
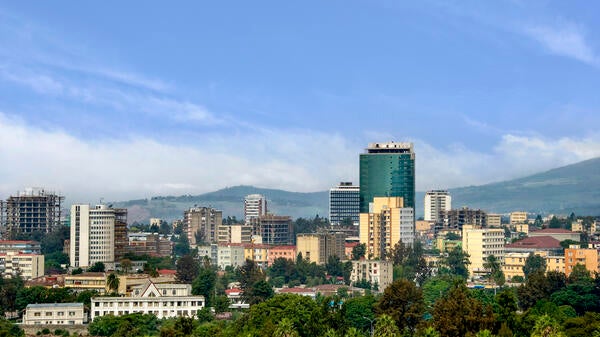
x,y
54,314
557,233
309,292
161,300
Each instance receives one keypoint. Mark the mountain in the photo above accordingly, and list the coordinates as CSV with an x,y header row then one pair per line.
x,y
231,201
572,188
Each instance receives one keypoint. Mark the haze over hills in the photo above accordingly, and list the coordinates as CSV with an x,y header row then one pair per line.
x,y
572,188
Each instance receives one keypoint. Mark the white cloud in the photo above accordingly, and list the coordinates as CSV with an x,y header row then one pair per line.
x,y
566,40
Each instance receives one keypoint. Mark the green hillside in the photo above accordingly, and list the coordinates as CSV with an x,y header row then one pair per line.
x,y
572,188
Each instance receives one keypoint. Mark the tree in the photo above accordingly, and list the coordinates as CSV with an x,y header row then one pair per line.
x,y
458,313
221,304
334,266
358,312
112,281
126,265
359,251
97,267
204,283
496,274
187,269
506,308
534,263
545,326
554,223
77,271
386,327
285,328
456,263
7,329
402,301
259,292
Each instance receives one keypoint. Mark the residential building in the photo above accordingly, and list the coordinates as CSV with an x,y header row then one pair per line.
x,y
274,229
255,205
557,233
522,228
555,263
457,218
209,251
387,223
517,218
235,298
87,281
151,244
27,265
378,272
494,220
258,253
308,292
230,255
161,300
20,246
318,247
235,233
93,234
348,248
480,243
575,255
201,223
514,263
286,252
387,170
435,202
54,314
344,203
33,210
535,245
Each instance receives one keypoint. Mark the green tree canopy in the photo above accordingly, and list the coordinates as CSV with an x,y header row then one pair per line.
x,y
402,301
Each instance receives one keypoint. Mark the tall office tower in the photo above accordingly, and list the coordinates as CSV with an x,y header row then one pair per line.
x,y
344,203
200,224
93,234
34,210
387,170
273,229
387,223
255,205
435,202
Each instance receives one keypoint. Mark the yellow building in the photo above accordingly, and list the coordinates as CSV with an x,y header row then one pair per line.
x,y
318,247
518,218
88,281
480,243
584,256
522,228
444,245
258,253
494,220
387,222
555,263
27,265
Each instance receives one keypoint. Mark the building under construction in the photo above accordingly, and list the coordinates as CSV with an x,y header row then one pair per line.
x,y
33,210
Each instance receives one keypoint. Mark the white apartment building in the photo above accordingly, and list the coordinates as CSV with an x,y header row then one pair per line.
x,y
374,271
54,314
435,202
161,300
480,243
230,255
27,265
255,205
92,235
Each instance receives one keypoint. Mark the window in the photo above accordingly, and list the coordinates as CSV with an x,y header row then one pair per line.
x,y
49,313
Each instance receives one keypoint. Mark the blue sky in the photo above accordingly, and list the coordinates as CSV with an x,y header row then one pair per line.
x,y
132,99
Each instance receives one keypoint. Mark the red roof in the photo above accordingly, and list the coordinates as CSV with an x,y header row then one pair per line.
x,y
167,272
233,291
546,242
284,247
351,244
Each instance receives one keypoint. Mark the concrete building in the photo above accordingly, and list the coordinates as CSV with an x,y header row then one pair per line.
x,y
54,314
387,223
209,251
96,234
318,247
27,265
286,252
344,203
151,244
436,201
230,255
33,210
161,300
258,253
587,257
374,271
494,220
20,246
555,263
480,243
557,233
255,205
235,233
200,224
387,170
457,218
517,218
87,281
274,229
535,245
513,264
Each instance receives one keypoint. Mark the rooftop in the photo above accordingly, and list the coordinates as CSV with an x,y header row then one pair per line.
x,y
542,242
552,231
54,305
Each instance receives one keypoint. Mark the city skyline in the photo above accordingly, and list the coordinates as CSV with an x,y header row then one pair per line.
x,y
129,103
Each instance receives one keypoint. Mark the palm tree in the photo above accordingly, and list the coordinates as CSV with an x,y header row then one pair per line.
x,y
285,328
112,281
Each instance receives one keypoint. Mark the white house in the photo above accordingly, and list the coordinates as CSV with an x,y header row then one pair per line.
x,y
54,314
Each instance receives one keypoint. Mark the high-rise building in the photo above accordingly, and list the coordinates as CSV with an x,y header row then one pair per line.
x,y
387,170
234,233
255,205
455,219
480,243
387,223
318,247
34,210
201,224
95,234
436,201
344,203
273,229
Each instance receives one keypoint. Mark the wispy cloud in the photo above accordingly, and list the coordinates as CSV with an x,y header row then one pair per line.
x,y
564,40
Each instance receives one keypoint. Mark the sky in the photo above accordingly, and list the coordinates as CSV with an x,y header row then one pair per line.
x,y
132,99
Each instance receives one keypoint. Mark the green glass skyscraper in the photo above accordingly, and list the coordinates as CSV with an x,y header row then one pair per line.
x,y
387,170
